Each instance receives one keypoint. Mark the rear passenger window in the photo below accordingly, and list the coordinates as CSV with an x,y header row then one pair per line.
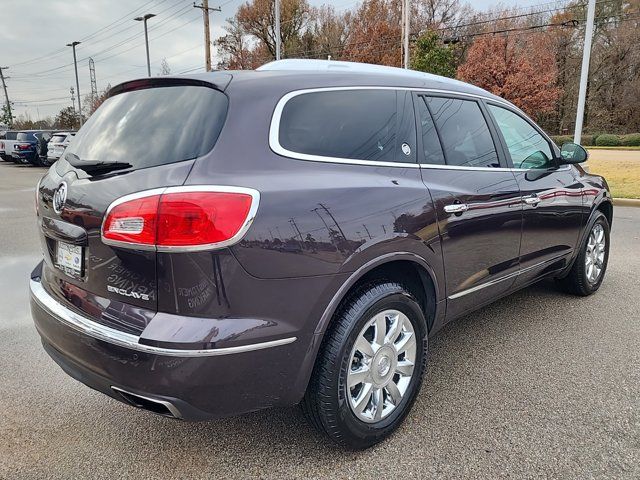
x,y
430,141
376,125
464,132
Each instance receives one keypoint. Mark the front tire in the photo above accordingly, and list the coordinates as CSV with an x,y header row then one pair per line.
x,y
370,367
587,272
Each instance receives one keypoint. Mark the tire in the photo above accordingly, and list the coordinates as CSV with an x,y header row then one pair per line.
x,y
582,280
330,405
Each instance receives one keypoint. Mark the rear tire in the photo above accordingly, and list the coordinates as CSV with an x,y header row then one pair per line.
x,y
587,272
370,366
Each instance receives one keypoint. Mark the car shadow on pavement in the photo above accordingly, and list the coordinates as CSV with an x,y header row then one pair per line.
x,y
285,429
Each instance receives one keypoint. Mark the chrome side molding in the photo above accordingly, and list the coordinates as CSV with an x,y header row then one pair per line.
x,y
505,277
88,327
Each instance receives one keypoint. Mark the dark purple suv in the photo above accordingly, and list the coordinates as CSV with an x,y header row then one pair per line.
x,y
221,243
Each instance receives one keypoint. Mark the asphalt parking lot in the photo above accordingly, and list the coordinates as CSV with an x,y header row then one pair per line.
x,y
539,384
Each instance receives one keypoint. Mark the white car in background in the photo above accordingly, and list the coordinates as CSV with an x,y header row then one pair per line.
x,y
57,145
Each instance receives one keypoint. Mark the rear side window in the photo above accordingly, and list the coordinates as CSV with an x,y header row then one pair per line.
x,y
464,132
11,135
153,126
375,125
430,141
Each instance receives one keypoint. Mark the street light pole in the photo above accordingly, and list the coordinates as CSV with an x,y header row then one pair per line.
x,y
75,64
146,37
584,70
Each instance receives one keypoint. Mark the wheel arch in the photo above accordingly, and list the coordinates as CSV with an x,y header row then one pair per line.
x,y
421,279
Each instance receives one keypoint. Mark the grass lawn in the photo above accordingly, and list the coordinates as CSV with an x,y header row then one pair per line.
x,y
613,148
620,168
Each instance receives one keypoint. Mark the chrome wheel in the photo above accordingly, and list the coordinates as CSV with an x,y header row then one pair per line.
x,y
594,256
381,366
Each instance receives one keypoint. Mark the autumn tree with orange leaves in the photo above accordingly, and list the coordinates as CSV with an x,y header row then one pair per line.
x,y
521,69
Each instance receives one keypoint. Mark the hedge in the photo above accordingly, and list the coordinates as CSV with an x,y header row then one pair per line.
x,y
631,140
607,140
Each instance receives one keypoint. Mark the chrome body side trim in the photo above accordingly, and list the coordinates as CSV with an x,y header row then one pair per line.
x,y
505,277
255,202
95,330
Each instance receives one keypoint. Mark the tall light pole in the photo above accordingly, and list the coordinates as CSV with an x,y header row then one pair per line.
x,y
146,37
75,64
584,70
277,28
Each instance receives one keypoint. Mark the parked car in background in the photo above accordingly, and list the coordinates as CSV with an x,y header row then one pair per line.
x,y
57,145
7,140
28,146
404,200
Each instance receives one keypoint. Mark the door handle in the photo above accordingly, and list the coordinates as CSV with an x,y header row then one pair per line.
x,y
532,200
456,208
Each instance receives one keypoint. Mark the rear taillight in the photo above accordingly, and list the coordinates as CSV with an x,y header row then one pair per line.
x,y
2,145
23,146
181,218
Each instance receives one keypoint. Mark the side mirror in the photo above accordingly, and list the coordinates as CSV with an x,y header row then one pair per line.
x,y
571,153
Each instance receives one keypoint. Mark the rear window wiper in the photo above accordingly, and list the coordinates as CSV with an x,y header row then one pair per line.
x,y
95,167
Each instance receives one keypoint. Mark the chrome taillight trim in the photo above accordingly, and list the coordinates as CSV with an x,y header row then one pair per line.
x,y
255,202
98,331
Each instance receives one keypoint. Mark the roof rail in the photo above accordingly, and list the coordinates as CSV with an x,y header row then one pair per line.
x,y
299,64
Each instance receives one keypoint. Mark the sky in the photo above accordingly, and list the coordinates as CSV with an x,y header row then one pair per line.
x,y
33,35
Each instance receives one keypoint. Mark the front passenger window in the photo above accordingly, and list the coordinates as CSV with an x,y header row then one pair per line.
x,y
528,149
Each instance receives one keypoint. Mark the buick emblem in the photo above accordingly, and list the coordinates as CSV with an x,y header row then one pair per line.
x,y
60,197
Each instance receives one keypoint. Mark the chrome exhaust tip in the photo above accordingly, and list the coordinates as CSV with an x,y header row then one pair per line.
x,y
159,407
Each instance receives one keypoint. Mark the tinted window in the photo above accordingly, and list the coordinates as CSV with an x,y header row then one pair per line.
x,y
11,135
153,126
430,141
354,124
465,136
528,149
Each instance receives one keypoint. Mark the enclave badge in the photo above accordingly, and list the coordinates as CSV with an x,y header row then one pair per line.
x,y
60,197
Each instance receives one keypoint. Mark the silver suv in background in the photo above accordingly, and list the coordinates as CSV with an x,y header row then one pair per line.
x,y
57,145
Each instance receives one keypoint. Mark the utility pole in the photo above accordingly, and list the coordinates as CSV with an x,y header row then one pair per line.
x,y
584,71
405,30
94,85
277,28
6,95
75,64
207,32
144,19
328,212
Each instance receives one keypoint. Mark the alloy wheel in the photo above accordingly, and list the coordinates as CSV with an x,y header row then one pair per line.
x,y
381,366
594,256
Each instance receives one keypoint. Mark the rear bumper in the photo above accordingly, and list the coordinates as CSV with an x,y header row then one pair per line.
x,y
187,384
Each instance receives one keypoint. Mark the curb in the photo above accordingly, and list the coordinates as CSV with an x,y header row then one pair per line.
x,y
626,202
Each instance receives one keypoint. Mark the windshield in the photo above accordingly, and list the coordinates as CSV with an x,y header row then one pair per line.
x,y
153,126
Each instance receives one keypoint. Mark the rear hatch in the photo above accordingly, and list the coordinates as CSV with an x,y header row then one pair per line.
x,y
145,136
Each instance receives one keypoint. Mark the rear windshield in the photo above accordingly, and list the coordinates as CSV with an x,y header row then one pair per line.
x,y
25,137
154,126
11,135
58,138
